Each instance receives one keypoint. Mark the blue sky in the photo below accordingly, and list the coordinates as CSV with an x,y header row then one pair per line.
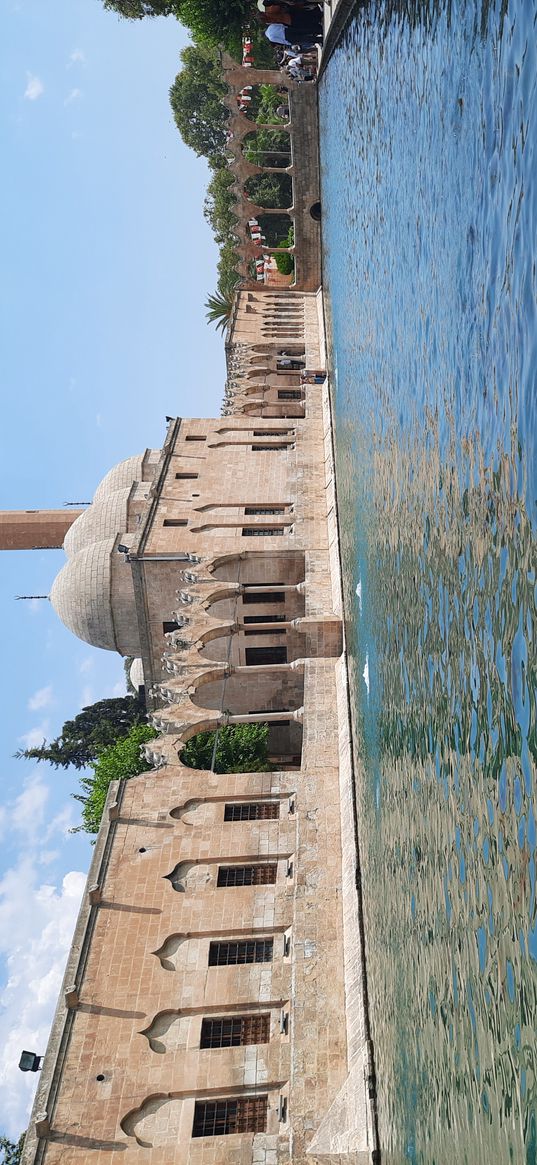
x,y
107,261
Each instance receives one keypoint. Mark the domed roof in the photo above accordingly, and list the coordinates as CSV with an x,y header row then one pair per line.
x,y
81,595
136,673
121,476
102,520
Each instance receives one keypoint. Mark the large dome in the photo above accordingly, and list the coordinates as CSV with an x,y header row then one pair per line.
x,y
94,598
81,595
122,476
102,520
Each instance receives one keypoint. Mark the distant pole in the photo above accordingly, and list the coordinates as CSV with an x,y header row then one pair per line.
x,y
18,597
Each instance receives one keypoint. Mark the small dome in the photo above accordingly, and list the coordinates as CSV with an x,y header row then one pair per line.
x,y
122,476
104,519
136,673
81,595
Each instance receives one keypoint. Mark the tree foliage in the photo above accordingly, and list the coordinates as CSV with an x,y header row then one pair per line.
x,y
11,1150
120,761
137,9
219,309
95,728
271,191
219,205
240,748
216,22
196,101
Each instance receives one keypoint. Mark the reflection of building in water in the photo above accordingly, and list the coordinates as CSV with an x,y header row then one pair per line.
x,y
212,1005
448,849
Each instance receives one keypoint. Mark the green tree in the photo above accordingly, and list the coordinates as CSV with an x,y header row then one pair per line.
x,y
240,748
219,205
219,309
83,738
268,147
196,101
216,22
271,191
120,761
11,1150
137,9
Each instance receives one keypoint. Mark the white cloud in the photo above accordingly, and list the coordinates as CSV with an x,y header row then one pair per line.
x,y
40,699
34,87
35,736
87,665
28,811
99,420
37,921
77,57
73,96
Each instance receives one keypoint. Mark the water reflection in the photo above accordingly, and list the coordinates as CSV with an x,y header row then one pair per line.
x,y
432,306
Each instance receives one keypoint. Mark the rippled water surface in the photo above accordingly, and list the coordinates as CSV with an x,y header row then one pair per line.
x,y
428,139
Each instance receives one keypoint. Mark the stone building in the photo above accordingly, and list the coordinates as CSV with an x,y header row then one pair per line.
x,y
212,1011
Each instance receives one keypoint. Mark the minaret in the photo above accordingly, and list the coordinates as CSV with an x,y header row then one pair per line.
x,y
35,529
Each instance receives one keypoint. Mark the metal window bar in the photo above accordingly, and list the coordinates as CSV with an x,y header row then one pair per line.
x,y
264,619
265,655
218,1118
261,875
252,811
262,531
227,954
264,597
251,510
235,1031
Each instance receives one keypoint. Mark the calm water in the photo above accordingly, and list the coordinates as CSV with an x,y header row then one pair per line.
x,y
429,129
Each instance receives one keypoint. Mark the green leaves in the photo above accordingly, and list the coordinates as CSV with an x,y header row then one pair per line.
x,y
120,761
137,9
240,748
196,101
83,738
11,1150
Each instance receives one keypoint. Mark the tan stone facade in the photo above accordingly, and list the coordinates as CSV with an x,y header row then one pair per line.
x,y
211,1016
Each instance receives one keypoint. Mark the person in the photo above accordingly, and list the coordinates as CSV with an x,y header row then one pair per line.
x,y
284,35
311,376
292,26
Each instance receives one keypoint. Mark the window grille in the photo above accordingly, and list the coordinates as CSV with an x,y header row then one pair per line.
x,y
262,448
261,531
273,432
219,1118
260,875
252,811
264,618
264,509
264,597
235,1031
227,954
289,394
262,655
265,631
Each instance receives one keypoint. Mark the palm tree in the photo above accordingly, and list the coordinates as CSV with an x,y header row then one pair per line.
x,y
220,306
